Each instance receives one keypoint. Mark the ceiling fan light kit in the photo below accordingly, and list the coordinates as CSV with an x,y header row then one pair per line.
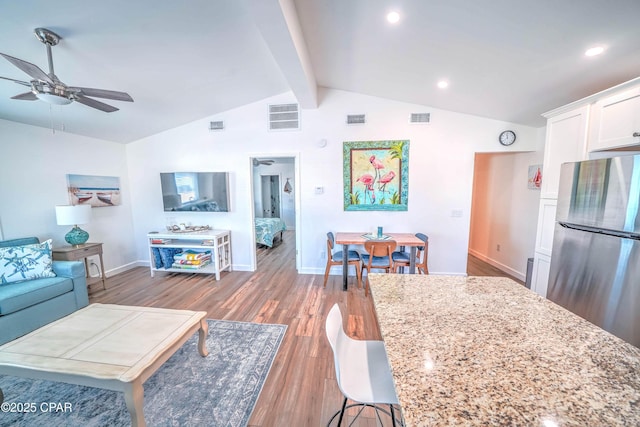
x,y
48,88
53,99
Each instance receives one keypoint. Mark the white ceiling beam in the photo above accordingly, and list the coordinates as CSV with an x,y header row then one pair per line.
x,y
277,21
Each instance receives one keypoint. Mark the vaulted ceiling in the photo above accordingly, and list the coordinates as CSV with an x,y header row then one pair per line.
x,y
510,60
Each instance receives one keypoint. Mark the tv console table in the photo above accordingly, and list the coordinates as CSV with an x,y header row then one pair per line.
x,y
217,241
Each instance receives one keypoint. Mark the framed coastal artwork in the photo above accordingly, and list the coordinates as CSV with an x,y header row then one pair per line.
x,y
97,191
376,175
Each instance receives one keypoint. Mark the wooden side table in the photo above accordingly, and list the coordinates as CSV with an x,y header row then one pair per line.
x,y
76,253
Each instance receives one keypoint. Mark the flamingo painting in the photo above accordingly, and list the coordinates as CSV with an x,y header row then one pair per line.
x,y
377,165
385,179
376,175
368,180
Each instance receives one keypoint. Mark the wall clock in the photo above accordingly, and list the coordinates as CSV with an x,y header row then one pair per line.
x,y
507,137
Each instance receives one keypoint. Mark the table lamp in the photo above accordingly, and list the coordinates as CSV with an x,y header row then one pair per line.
x,y
74,215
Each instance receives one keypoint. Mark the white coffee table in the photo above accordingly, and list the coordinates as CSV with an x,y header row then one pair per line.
x,y
107,346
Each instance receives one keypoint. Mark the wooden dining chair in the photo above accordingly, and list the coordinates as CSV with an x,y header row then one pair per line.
x,y
378,256
335,258
403,259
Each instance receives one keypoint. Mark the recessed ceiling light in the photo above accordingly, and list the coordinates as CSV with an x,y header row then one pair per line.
x,y
596,50
443,84
393,17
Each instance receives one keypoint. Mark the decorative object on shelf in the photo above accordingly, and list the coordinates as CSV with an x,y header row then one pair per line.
x,y
187,228
287,187
376,175
74,215
160,241
97,191
534,181
507,138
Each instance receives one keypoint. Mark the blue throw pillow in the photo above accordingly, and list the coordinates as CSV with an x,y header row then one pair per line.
x,y
19,263
157,259
167,256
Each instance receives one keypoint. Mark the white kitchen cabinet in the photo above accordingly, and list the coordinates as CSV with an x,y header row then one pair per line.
x,y
604,121
546,226
544,244
615,121
566,141
540,274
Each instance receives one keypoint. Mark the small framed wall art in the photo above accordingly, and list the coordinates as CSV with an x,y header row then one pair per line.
x,y
97,191
534,180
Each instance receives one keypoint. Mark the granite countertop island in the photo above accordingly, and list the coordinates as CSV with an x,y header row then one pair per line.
x,y
488,351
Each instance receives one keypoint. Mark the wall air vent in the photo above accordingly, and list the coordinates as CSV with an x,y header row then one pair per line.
x,y
216,125
356,119
284,117
420,118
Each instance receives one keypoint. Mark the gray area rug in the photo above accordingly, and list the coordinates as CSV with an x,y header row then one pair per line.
x,y
188,390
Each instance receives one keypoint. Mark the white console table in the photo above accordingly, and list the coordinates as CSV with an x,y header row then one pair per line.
x,y
217,241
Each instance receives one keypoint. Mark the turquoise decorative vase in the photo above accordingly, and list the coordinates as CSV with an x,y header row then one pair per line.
x,y
77,236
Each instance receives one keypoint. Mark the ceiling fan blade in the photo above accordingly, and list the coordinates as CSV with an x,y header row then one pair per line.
x,y
29,68
20,82
27,96
95,104
103,93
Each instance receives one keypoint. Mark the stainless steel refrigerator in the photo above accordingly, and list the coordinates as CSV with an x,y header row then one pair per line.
x,y
595,261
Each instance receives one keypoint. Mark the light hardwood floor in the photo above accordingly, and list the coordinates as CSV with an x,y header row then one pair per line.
x,y
301,389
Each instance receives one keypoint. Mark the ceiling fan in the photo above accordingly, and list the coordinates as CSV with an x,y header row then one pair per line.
x,y
48,88
267,162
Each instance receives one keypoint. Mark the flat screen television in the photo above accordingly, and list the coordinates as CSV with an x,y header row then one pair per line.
x,y
195,191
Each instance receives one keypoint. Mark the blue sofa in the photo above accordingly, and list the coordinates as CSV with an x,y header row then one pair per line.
x,y
31,304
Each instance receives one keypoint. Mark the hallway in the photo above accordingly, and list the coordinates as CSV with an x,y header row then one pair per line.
x,y
477,267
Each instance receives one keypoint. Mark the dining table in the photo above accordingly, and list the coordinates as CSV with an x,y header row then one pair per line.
x,y
359,238
487,351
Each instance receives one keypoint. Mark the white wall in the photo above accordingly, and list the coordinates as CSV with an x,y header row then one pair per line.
x,y
34,163
440,172
504,210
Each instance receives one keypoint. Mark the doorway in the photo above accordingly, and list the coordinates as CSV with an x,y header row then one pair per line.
x,y
503,217
274,196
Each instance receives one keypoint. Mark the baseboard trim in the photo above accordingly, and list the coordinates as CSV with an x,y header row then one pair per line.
x,y
335,271
126,267
510,271
123,268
